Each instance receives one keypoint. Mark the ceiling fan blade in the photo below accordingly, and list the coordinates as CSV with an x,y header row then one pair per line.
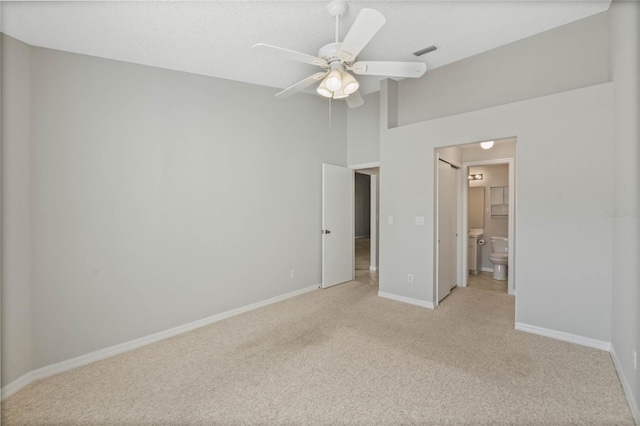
x,y
354,100
301,85
389,69
290,54
366,25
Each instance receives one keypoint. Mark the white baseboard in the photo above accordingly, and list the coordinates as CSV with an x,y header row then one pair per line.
x,y
404,299
486,269
566,337
79,361
373,268
626,387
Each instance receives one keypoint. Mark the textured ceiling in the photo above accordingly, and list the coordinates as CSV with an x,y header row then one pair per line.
x,y
214,38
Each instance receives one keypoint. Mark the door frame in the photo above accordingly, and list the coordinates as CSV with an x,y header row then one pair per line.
x,y
436,224
511,276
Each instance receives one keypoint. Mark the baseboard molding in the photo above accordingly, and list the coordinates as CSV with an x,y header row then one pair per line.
x,y
625,386
404,299
79,361
373,268
566,337
486,269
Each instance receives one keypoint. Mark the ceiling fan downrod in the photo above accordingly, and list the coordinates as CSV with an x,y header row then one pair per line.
x,y
337,9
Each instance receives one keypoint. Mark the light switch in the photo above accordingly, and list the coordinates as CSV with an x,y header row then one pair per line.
x,y
390,220
419,220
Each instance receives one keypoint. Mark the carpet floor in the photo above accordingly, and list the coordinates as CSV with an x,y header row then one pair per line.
x,y
341,356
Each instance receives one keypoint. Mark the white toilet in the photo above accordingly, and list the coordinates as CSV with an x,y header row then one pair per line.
x,y
499,257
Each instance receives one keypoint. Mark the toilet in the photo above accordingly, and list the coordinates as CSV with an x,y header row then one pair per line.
x,y
499,257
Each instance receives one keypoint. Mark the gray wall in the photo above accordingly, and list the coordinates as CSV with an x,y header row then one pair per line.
x,y
552,119
16,210
159,196
572,293
363,131
625,71
564,58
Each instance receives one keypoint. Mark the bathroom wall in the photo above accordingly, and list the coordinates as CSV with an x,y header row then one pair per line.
x,y
494,226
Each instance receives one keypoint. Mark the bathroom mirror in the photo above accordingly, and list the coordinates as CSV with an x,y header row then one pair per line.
x,y
476,207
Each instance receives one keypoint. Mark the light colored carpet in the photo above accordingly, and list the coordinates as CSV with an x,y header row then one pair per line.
x,y
341,356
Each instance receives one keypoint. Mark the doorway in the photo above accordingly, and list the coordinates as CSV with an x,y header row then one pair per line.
x,y
487,216
366,224
496,216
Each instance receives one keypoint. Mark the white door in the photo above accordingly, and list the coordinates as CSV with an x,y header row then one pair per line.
x,y
447,218
337,225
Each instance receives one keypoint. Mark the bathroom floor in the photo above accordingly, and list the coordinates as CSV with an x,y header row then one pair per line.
x,y
485,281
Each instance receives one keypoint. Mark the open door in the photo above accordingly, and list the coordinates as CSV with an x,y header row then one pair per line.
x,y
447,238
337,225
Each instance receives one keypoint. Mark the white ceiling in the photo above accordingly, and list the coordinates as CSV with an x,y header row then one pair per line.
x,y
214,38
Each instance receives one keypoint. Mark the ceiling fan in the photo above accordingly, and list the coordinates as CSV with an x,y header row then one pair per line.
x,y
339,58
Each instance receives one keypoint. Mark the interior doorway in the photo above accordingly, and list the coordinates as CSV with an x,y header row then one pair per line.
x,y
487,216
491,230
366,223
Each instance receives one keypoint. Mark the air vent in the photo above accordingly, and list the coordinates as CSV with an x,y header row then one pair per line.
x,y
425,50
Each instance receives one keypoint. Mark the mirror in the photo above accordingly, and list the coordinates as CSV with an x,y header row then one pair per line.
x,y
476,207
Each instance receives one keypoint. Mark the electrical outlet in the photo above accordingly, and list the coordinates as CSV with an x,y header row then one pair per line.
x,y
635,359
293,273
410,278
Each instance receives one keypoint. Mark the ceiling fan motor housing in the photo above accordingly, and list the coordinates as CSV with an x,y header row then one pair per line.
x,y
329,52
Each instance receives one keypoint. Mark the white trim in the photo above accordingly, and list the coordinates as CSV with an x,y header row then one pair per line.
x,y
404,299
486,269
626,387
18,384
79,361
373,268
364,165
566,337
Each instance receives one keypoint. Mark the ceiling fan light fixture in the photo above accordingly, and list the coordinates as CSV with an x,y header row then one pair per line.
x,y
333,81
323,91
340,94
350,83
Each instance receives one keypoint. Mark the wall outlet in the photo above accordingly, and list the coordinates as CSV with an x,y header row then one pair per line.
x,y
410,278
635,359
293,273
